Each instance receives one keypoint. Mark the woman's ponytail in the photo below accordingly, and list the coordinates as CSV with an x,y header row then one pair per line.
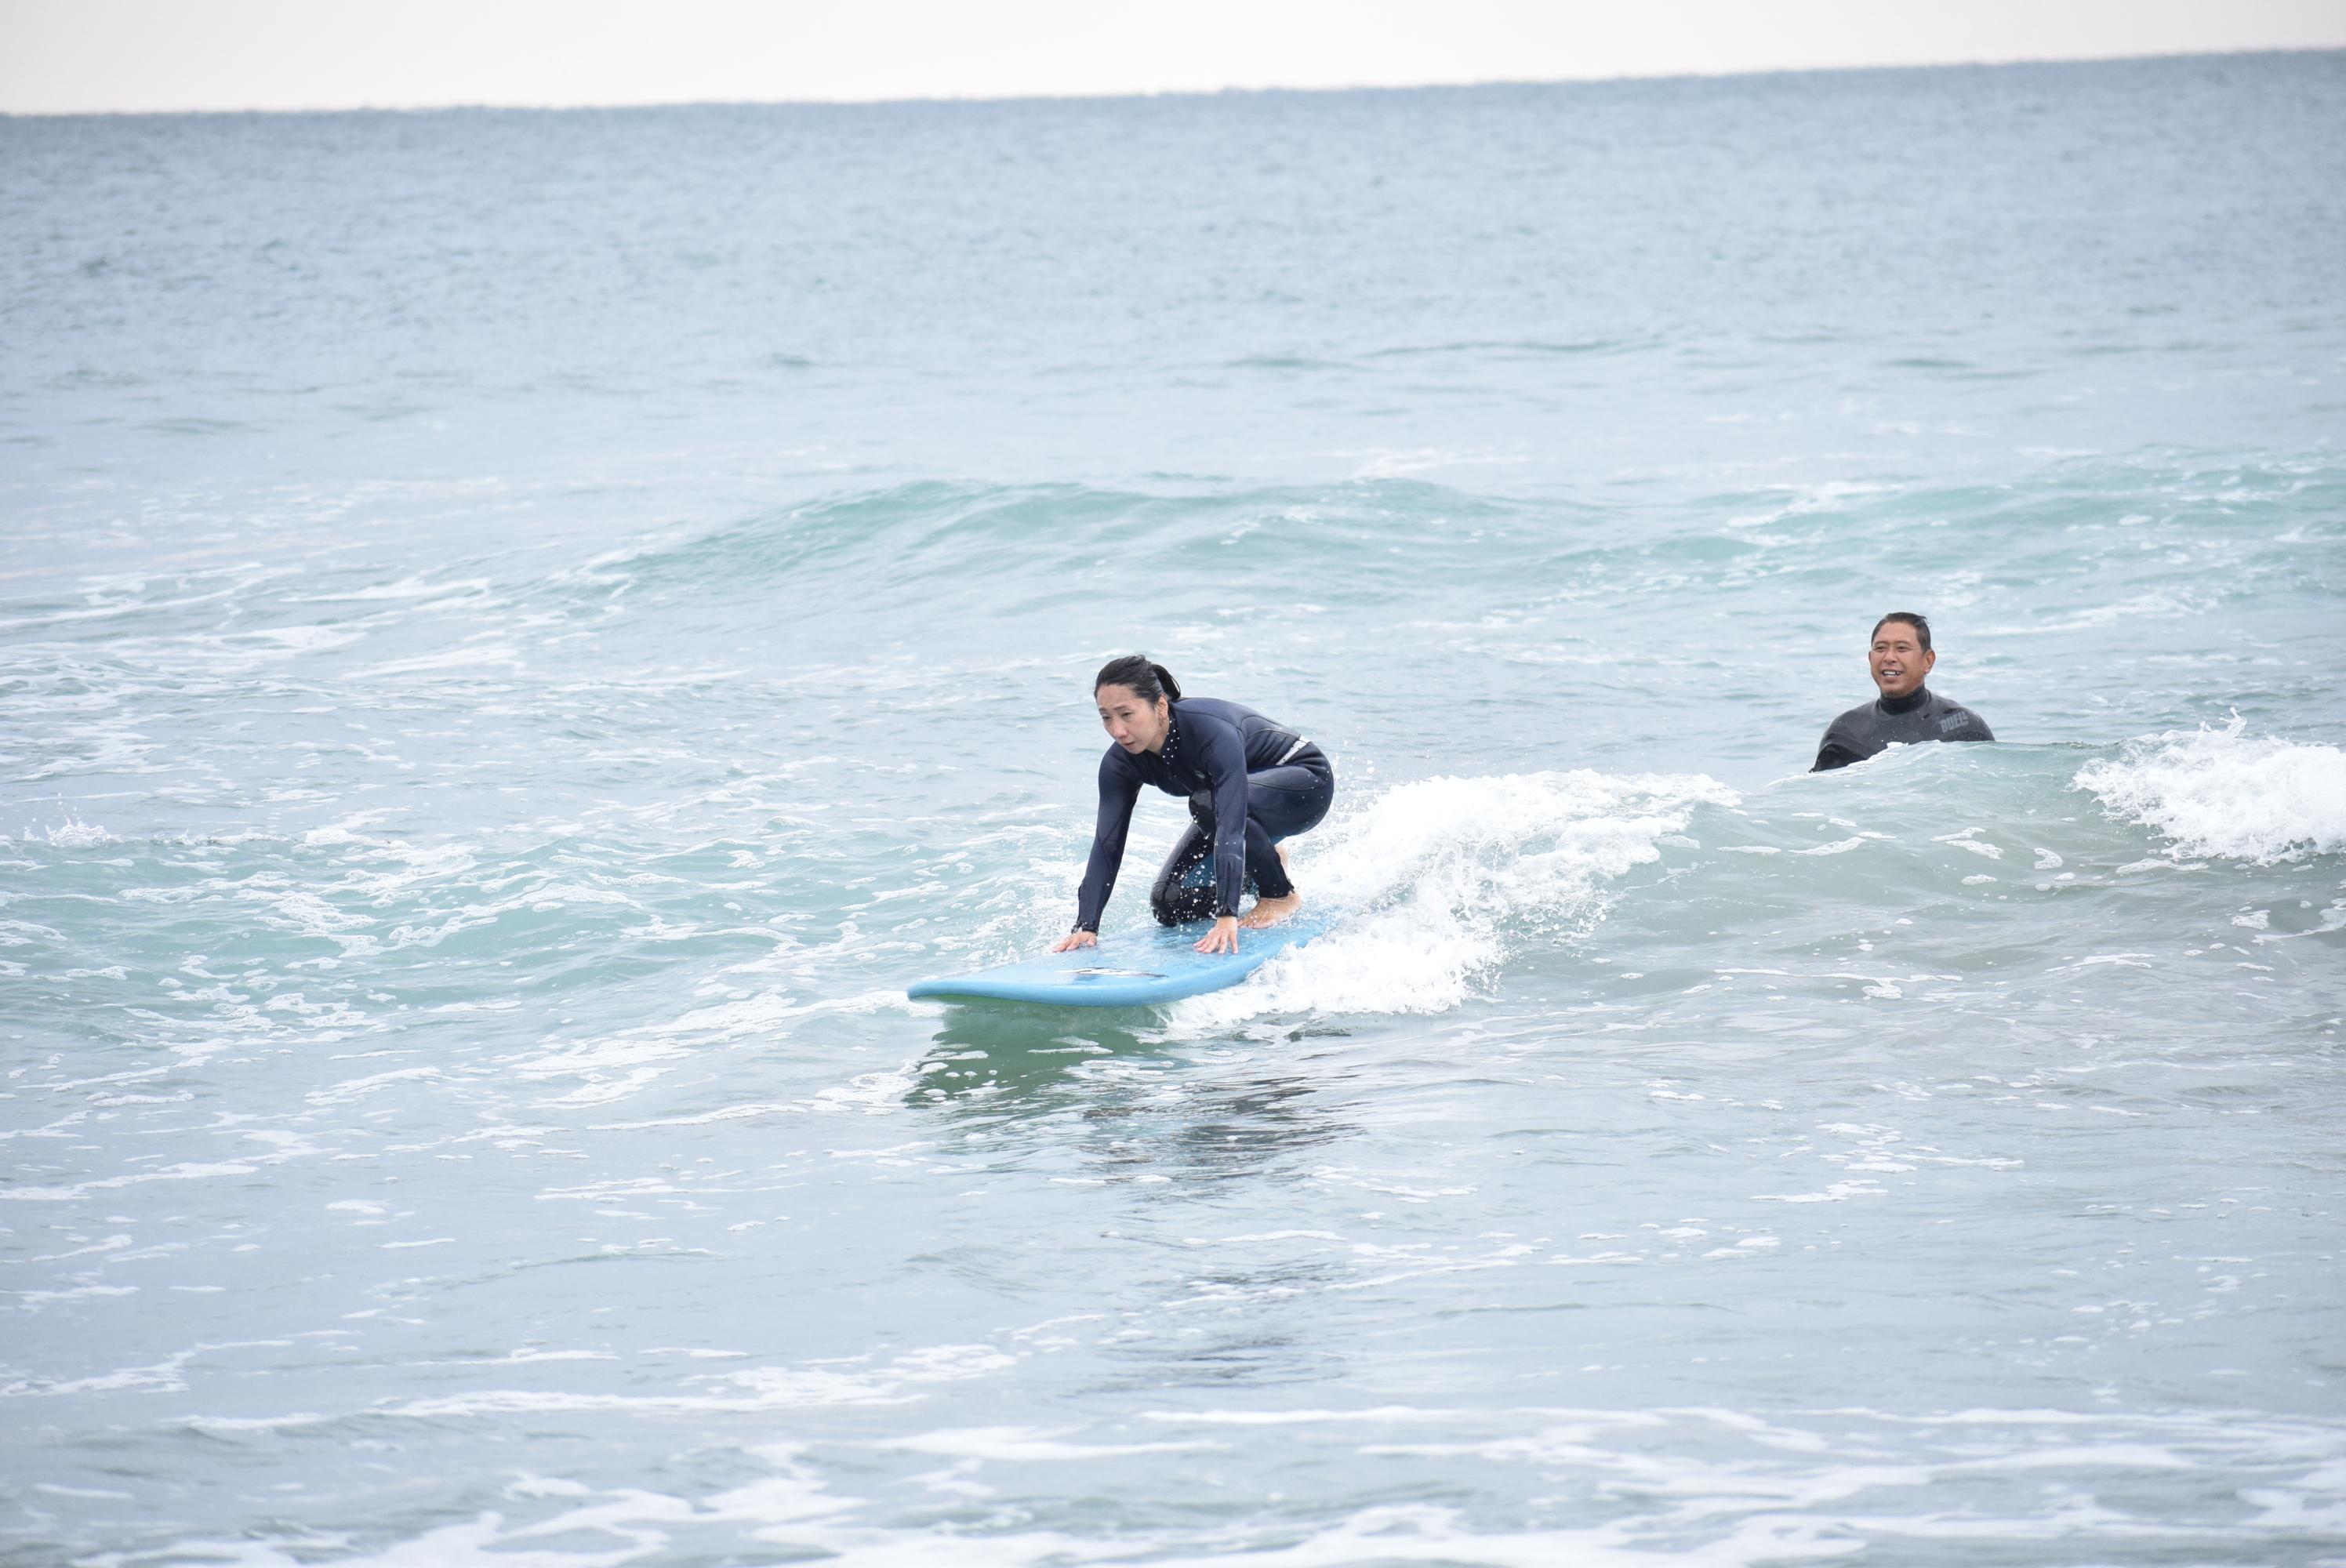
x,y
1148,681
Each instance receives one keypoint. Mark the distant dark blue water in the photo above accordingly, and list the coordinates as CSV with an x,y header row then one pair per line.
x,y
520,632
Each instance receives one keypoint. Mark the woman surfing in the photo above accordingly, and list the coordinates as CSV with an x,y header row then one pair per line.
x,y
1248,781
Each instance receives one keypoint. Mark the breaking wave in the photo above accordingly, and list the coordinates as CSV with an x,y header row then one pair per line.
x,y
1438,878
2223,792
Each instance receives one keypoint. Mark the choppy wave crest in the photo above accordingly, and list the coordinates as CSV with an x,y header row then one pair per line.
x,y
2224,792
1439,877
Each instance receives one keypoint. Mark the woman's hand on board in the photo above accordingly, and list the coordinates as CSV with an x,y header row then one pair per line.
x,y
1223,938
1076,939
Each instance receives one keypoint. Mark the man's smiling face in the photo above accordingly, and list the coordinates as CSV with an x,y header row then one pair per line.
x,y
1899,659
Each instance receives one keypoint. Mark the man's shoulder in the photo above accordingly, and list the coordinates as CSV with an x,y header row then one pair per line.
x,y
1953,718
1858,717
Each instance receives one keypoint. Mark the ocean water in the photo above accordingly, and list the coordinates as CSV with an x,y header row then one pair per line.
x,y
520,634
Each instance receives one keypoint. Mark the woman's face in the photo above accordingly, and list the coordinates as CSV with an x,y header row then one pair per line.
x,y
1130,722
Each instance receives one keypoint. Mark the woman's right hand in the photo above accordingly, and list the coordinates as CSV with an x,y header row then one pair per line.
x,y
1076,939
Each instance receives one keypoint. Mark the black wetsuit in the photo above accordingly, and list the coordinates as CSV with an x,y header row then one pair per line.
x,y
1250,783
1920,714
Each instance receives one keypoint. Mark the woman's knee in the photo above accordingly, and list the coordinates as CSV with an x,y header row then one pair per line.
x,y
1184,889
1175,903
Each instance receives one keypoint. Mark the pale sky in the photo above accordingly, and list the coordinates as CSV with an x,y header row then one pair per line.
x,y
78,55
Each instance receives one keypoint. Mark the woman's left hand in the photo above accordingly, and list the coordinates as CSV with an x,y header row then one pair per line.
x,y
1223,938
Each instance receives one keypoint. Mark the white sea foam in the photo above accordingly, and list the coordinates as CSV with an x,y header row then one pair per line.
x,y
2223,792
1435,876
853,1381
2095,617
1714,1485
1023,1445
613,1067
73,833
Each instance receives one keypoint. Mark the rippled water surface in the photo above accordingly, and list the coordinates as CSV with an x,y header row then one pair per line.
x,y
520,634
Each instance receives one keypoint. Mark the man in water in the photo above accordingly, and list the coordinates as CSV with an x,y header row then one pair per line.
x,y
1907,710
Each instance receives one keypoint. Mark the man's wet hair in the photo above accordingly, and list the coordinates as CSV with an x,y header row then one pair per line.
x,y
1922,628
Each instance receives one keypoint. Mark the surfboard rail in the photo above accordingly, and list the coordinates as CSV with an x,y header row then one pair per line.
x,y
1143,967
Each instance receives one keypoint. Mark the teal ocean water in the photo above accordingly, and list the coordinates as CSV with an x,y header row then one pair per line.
x,y
521,633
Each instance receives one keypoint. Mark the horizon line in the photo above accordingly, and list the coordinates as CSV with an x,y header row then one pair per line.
x,y
1230,90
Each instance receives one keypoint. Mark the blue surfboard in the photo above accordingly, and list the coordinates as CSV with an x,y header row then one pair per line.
x,y
1131,969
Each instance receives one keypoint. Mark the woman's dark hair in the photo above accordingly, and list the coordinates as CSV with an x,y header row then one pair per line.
x,y
1148,681
1922,628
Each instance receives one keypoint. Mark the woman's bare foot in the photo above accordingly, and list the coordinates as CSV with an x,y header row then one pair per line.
x,y
1270,912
